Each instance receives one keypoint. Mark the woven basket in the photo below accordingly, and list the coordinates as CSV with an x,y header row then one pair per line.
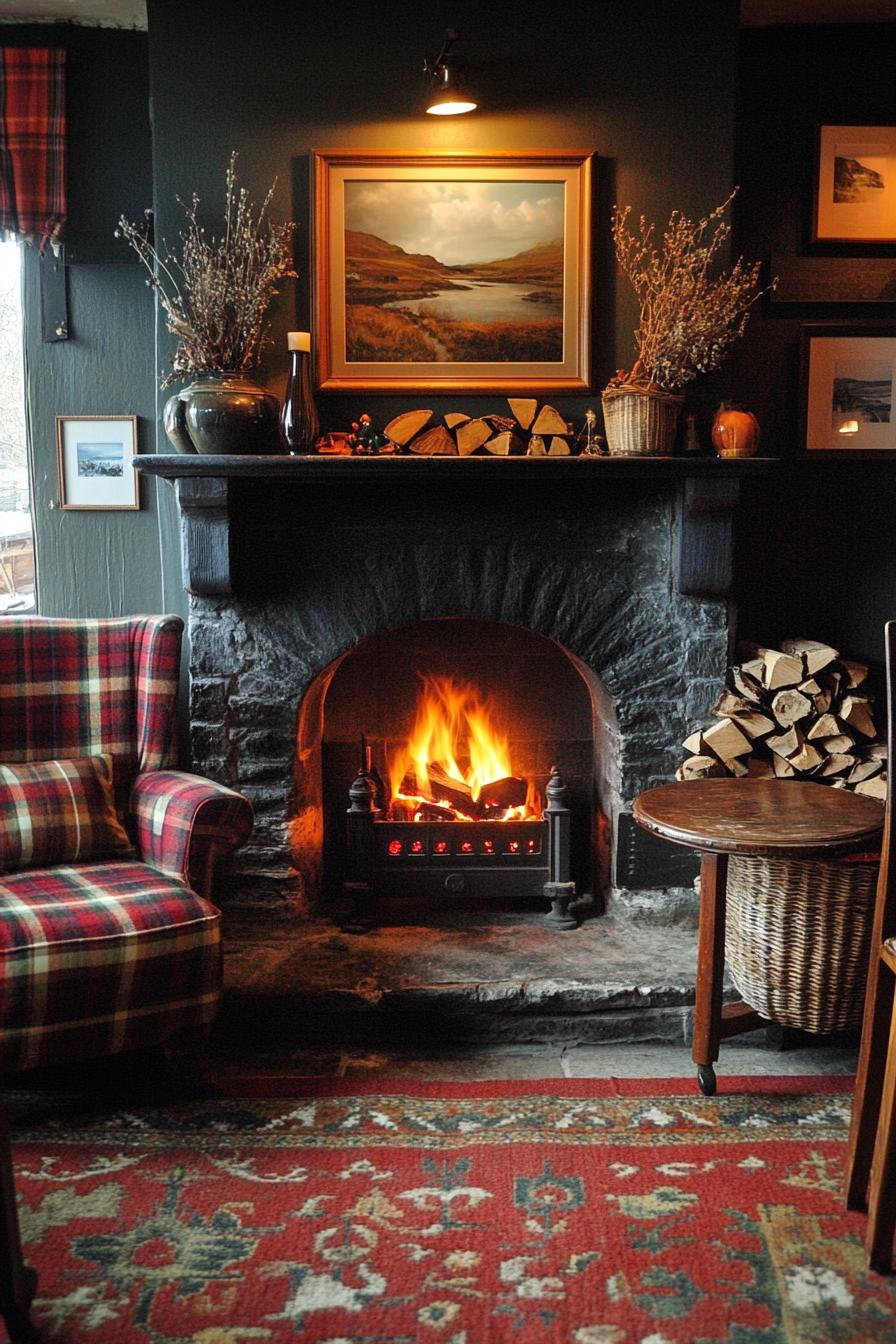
x,y
640,423
798,937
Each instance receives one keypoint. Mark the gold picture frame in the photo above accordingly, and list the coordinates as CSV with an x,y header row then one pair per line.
x,y
452,272
95,459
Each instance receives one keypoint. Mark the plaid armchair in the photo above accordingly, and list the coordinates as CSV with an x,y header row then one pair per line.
x,y
109,953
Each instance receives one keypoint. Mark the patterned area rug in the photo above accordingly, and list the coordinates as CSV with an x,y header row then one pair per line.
x,y
583,1212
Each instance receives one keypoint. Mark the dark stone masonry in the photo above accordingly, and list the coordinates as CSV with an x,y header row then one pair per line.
x,y
316,570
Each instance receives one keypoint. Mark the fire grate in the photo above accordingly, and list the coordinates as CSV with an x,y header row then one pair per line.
x,y
483,860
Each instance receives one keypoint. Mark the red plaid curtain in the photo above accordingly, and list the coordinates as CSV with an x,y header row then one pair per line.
x,y
32,142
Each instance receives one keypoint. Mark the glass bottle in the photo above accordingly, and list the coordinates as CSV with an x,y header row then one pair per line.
x,y
298,418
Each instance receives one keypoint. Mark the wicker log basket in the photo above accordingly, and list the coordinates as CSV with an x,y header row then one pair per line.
x,y
640,423
798,936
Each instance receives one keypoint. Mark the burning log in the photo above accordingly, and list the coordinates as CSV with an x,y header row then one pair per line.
x,y
444,789
509,792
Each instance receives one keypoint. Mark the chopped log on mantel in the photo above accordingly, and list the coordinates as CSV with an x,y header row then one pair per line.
x,y
798,712
529,431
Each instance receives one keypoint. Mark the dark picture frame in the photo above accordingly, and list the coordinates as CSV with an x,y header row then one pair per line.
x,y
452,272
848,389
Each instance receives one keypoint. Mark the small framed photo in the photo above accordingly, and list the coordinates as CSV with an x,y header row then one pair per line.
x,y
96,462
855,185
848,389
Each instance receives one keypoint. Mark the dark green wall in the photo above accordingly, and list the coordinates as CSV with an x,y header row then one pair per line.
x,y
817,553
96,563
649,87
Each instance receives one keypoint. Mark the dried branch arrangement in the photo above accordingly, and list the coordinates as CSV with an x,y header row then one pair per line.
x,y
800,711
216,294
691,313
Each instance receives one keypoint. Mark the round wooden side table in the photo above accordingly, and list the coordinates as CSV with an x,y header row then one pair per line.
x,y
763,818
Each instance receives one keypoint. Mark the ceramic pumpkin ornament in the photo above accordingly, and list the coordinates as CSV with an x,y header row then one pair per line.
x,y
735,432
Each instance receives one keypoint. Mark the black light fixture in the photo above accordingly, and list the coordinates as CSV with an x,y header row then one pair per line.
x,y
448,95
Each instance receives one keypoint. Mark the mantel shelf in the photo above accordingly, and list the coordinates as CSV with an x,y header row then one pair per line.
x,y
178,466
208,496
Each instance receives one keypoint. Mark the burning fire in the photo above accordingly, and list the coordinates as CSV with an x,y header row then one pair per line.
x,y
456,762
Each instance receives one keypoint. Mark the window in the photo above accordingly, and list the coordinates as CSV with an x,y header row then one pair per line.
x,y
16,537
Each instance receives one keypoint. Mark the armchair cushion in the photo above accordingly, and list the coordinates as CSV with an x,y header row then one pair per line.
x,y
183,822
59,812
100,958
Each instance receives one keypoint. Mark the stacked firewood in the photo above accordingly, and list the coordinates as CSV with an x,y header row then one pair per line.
x,y
529,431
795,712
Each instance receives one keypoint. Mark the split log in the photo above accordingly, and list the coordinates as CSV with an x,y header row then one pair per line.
x,y
874,788
403,427
727,741
782,768
749,686
455,418
842,742
700,767
781,670
837,764
501,424
433,812
435,442
694,744
559,447
864,770
443,789
523,410
806,759
536,447
471,435
856,713
509,792
791,706
825,726
816,656
878,750
505,444
785,744
856,673
549,421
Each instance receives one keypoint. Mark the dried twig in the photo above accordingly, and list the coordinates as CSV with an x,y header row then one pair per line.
x,y
689,317
216,294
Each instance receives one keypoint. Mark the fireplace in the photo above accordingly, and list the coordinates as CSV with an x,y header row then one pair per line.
x,y
454,734
593,589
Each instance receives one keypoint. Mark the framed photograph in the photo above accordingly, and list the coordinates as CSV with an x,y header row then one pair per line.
x,y
855,190
443,272
848,392
96,462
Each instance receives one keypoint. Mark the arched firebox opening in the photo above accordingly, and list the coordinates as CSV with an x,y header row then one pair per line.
x,y
544,705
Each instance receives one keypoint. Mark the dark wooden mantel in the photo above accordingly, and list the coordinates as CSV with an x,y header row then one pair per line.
x,y
708,491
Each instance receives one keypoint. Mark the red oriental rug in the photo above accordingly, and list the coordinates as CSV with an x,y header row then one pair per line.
x,y
584,1212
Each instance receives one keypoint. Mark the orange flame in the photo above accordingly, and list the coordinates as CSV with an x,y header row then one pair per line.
x,y
456,732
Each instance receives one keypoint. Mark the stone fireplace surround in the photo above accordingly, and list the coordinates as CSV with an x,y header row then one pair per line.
x,y
623,563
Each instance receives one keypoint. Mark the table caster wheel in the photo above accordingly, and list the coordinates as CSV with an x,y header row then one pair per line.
x,y
706,1079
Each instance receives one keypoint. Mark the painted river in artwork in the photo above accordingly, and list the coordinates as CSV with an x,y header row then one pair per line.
x,y
484,301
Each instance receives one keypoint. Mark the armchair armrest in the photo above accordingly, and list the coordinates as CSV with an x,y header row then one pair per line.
x,y
184,823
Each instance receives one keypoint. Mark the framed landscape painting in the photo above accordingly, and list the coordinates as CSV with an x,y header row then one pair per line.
x,y
849,389
452,271
855,195
95,458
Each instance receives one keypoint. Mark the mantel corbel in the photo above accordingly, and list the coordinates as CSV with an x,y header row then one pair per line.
x,y
204,504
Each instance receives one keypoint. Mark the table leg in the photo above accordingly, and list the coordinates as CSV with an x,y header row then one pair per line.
x,y
710,969
17,1281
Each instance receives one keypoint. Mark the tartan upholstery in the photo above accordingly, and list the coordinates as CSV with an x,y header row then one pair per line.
x,y
181,818
120,954
59,812
99,958
32,142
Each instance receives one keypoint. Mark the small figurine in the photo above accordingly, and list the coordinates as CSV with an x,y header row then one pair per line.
x,y
365,440
588,442
691,437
